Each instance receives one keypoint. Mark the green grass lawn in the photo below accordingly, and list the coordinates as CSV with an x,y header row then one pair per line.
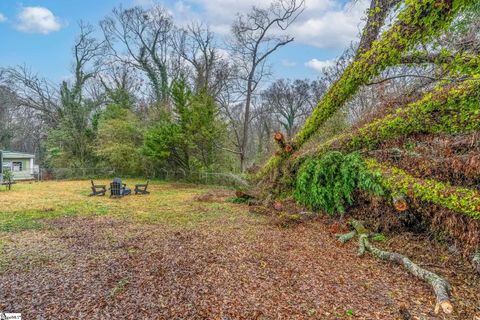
x,y
31,211
30,205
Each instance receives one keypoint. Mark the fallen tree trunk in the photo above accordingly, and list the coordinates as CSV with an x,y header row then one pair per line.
x,y
450,109
417,22
440,286
462,200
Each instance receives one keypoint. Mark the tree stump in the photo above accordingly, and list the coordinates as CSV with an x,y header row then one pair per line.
x,y
280,139
400,202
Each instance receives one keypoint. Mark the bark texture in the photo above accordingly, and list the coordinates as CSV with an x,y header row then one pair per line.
x,y
344,238
476,261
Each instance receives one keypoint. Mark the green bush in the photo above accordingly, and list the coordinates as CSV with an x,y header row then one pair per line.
x,y
328,183
7,175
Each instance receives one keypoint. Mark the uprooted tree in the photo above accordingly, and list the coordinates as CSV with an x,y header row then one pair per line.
x,y
327,175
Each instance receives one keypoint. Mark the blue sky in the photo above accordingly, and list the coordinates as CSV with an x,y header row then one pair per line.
x,y
40,33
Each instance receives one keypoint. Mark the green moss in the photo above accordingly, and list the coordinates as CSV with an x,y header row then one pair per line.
x,y
419,21
451,109
461,200
425,18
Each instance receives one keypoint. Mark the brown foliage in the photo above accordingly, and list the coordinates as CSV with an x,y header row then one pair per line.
x,y
447,158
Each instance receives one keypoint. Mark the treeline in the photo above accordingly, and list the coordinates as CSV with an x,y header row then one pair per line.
x,y
145,94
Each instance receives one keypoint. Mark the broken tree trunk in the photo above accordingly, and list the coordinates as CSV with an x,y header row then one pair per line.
x,y
282,143
440,286
400,202
288,148
280,139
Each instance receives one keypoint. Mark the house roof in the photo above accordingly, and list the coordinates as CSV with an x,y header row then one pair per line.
x,y
17,155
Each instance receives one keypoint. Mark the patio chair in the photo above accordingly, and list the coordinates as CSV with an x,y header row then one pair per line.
x,y
141,188
98,189
119,189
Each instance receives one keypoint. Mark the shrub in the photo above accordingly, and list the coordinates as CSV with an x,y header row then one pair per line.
x,y
7,175
328,183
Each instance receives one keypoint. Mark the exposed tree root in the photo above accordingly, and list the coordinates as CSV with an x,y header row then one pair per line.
x,y
440,286
344,238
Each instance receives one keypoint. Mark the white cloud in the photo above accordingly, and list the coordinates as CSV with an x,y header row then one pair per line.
x,y
323,23
37,20
182,8
319,65
3,18
288,64
335,27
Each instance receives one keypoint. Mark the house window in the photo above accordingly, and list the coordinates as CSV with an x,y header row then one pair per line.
x,y
17,166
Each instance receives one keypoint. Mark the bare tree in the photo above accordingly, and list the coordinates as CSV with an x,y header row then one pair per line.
x,y
255,38
195,45
22,127
34,92
86,65
291,102
141,38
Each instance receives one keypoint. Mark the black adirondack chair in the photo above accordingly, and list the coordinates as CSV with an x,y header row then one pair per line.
x,y
118,189
141,188
98,189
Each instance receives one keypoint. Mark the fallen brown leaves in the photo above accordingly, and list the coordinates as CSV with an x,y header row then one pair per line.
x,y
239,267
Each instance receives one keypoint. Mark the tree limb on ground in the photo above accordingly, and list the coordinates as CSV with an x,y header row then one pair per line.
x,y
462,200
440,286
476,261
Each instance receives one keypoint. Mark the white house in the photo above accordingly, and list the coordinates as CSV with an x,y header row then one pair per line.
x,y
21,164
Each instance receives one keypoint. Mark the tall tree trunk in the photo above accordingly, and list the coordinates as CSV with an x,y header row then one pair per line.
x,y
246,121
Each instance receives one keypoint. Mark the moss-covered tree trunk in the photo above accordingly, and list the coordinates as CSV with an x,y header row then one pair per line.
x,y
418,21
